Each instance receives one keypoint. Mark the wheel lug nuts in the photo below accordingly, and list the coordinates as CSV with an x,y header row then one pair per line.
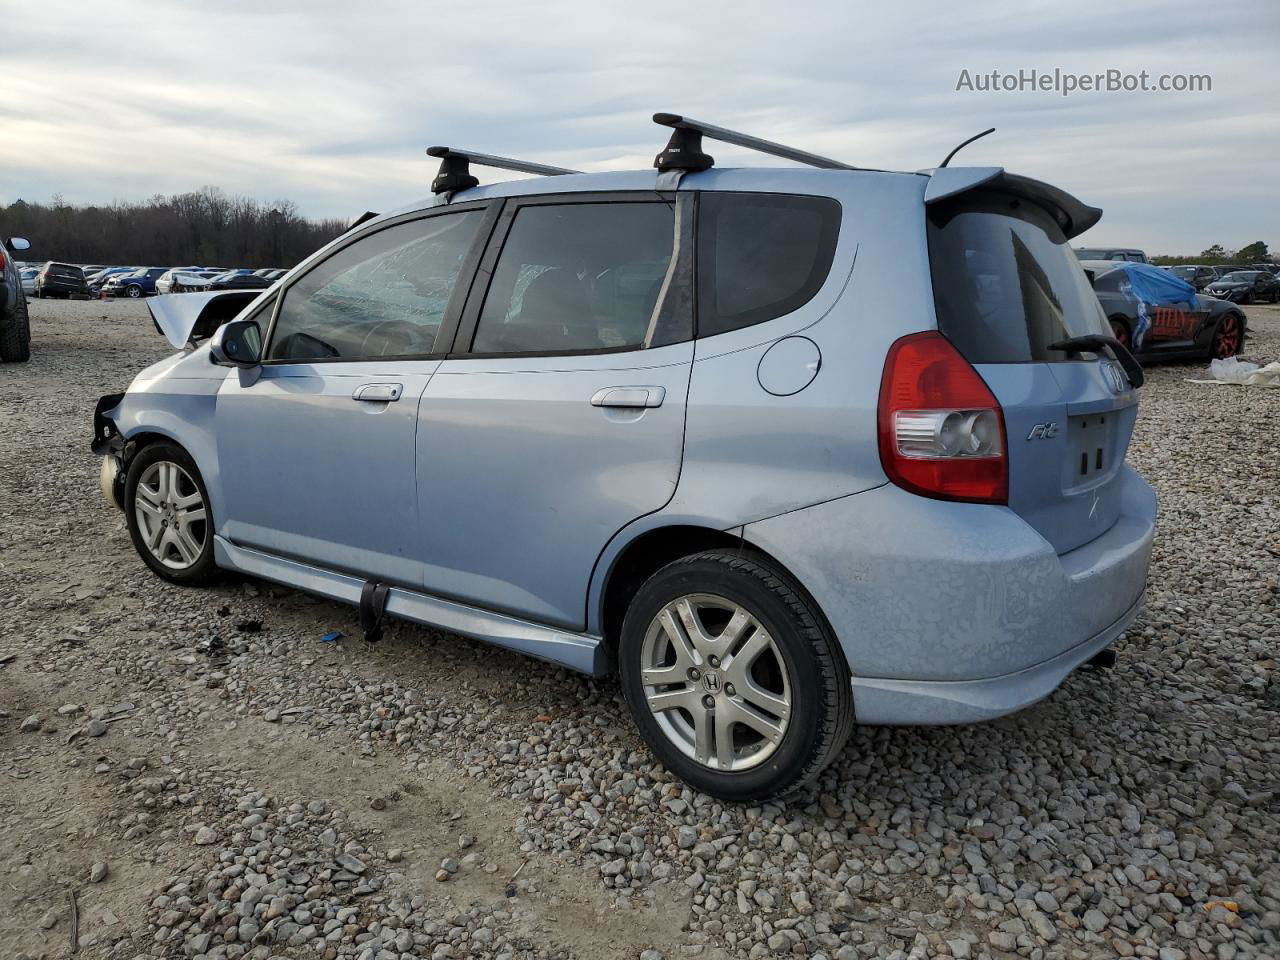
x,y
728,689
694,674
708,701
714,661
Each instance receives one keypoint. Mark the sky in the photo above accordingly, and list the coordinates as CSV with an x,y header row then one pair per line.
x,y
331,105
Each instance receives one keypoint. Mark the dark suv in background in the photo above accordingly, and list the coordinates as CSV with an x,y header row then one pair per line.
x,y
1198,276
15,331
61,280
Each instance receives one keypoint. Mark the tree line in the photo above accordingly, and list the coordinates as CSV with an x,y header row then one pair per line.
x,y
1255,252
202,228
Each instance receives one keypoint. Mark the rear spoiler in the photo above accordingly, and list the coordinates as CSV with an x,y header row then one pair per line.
x,y
1073,216
187,317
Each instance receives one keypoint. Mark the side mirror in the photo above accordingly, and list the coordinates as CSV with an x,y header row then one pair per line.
x,y
237,344
19,243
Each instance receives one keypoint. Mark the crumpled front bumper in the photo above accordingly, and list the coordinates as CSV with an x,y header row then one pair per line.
x,y
109,444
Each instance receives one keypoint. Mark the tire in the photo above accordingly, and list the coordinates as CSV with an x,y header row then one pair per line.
x,y
1228,338
1120,330
1245,298
15,336
794,661
134,291
187,561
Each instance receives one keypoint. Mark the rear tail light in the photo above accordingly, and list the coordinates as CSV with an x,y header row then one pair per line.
x,y
941,429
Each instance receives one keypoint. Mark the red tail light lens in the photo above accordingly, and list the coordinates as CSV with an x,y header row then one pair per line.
x,y
941,429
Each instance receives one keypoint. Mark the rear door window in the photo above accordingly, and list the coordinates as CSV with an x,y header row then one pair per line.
x,y
761,256
578,277
1005,284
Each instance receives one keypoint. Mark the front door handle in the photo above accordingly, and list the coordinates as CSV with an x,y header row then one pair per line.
x,y
629,397
378,392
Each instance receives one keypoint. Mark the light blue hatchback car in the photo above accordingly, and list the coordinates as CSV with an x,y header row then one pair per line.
x,y
789,449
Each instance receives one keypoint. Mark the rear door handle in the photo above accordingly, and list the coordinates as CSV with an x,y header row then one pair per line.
x,y
629,397
378,392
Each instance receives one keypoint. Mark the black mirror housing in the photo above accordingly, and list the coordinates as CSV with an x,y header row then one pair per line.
x,y
237,344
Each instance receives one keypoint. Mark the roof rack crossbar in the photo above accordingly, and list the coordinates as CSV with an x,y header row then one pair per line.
x,y
454,173
677,122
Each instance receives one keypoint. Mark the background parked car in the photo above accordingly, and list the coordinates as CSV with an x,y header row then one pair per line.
x,y
1198,276
1111,253
1246,286
61,280
185,280
15,331
1204,328
1272,268
28,275
239,281
140,283
98,280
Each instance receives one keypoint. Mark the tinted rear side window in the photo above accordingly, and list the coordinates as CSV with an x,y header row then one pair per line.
x,y
1005,283
760,256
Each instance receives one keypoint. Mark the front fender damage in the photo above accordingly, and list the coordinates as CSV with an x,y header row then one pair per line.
x,y
109,444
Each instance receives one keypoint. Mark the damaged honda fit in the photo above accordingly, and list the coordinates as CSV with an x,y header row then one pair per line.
x,y
788,449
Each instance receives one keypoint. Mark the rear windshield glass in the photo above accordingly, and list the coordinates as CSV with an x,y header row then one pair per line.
x,y
58,270
1005,283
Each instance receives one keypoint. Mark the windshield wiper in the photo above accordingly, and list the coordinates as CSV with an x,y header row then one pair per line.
x,y
1096,343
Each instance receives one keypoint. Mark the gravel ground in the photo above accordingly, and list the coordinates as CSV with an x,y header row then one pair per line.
x,y
196,774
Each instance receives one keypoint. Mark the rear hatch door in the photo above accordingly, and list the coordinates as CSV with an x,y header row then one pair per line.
x,y
1007,286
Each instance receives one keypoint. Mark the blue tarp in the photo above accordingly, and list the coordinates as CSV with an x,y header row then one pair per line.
x,y
1151,285
1160,287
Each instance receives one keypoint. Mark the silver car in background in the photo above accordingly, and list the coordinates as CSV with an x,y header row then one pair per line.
x,y
788,449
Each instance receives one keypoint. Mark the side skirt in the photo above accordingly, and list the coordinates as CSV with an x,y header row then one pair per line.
x,y
577,651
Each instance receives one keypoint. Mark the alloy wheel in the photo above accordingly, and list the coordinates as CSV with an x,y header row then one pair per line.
x,y
715,682
1226,343
171,514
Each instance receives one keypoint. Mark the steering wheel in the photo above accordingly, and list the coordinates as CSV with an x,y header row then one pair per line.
x,y
405,333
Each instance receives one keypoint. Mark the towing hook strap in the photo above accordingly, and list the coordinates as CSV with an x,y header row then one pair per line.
x,y
373,602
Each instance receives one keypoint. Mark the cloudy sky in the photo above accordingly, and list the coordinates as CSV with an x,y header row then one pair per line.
x,y
331,104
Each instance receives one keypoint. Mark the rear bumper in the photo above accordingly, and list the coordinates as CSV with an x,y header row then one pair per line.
x,y
940,702
923,591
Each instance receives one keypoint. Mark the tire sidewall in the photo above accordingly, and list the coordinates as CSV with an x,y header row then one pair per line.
x,y
203,569
707,576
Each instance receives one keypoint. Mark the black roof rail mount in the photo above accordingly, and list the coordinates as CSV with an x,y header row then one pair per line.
x,y
455,173
684,150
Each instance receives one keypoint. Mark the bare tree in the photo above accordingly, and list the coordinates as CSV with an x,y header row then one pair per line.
x,y
205,227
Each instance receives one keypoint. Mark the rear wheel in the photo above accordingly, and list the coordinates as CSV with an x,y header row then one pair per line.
x,y
1120,330
134,291
15,336
1229,337
167,510
733,678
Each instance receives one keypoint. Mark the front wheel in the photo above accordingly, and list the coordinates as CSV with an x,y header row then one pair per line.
x,y
134,291
733,678
167,510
